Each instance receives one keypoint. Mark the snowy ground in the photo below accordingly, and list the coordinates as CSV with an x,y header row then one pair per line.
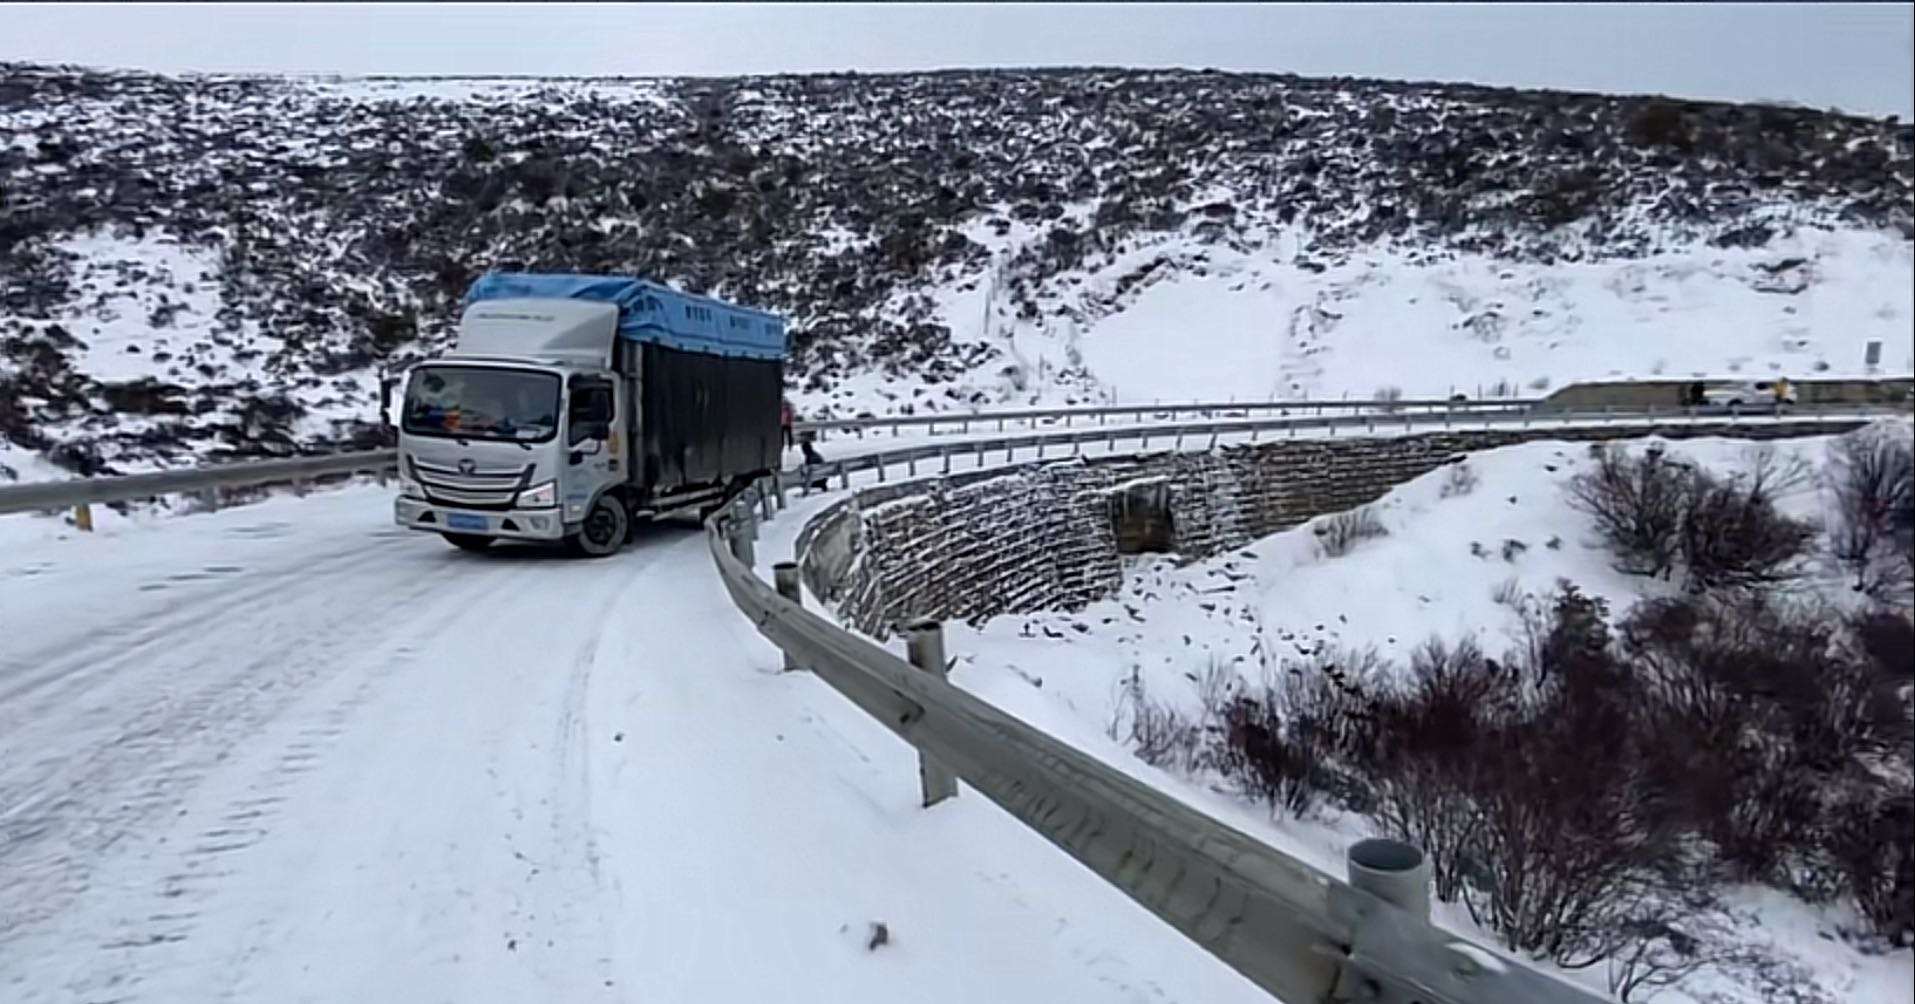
x,y
1063,672
288,752
1197,320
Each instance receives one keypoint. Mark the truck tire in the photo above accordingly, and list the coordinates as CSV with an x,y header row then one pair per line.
x,y
468,541
606,528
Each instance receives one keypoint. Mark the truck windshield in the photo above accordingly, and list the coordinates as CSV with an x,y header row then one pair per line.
x,y
481,402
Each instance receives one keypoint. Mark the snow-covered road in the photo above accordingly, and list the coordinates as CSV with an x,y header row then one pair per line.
x,y
288,752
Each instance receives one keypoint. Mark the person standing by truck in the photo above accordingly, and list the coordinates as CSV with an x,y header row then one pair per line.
x,y
787,418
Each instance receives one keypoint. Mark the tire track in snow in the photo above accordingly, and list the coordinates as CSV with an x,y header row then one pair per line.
x,y
60,815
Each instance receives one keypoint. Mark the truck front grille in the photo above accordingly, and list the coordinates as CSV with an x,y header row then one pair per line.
x,y
475,489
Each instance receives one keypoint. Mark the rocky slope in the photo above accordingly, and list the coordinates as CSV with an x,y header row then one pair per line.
x,y
194,268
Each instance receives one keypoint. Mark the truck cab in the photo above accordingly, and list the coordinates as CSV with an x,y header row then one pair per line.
x,y
532,427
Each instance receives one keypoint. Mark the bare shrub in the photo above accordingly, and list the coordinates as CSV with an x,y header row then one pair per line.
x,y
1733,535
1665,943
1158,733
1509,593
1280,744
1571,843
1459,479
1638,505
1340,533
1780,733
1423,760
1513,548
1872,489
1389,394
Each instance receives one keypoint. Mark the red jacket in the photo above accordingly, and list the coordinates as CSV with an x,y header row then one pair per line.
x,y
785,414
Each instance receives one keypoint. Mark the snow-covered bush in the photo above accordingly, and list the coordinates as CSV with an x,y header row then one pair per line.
x,y
1459,479
1732,533
1338,534
1637,504
1654,513
1871,484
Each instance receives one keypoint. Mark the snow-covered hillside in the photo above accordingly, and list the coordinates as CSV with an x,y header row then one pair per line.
x,y
199,267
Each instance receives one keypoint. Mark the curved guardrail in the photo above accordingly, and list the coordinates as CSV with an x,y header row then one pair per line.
x,y
1102,414
245,474
1299,933
1295,416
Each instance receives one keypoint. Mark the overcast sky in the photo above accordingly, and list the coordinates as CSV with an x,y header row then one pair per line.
x,y
1857,57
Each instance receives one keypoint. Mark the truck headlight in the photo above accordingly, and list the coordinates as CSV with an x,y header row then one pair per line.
x,y
410,488
540,496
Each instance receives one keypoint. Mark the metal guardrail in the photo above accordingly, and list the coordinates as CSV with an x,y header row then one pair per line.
x,y
1102,414
245,474
1298,933
1174,435
1292,415
77,492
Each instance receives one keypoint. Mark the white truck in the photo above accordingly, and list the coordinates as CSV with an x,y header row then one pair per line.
x,y
572,407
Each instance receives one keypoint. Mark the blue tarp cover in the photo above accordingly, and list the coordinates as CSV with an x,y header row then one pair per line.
x,y
650,312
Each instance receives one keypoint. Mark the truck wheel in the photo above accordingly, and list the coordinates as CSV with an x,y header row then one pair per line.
x,y
468,541
605,530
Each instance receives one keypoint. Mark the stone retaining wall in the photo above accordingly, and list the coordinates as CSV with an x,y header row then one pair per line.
x,y
1040,536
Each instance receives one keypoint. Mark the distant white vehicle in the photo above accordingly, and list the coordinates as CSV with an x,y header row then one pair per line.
x,y
1737,394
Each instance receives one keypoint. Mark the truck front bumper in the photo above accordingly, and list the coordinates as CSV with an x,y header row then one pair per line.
x,y
512,524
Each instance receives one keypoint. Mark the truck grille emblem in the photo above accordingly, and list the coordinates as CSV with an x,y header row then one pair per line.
x,y
466,466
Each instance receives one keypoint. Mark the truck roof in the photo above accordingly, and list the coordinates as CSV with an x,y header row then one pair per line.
x,y
650,311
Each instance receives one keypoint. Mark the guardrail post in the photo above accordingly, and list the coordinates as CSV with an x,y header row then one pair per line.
x,y
778,488
880,468
911,465
83,517
925,643
210,499
785,575
764,506
944,455
1040,449
741,537
844,477
1392,871
980,454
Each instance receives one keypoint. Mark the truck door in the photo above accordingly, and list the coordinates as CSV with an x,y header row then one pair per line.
x,y
592,450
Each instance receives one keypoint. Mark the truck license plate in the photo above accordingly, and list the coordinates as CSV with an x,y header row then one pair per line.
x,y
461,521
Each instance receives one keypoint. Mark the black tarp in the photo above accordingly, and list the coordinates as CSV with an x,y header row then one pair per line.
x,y
705,419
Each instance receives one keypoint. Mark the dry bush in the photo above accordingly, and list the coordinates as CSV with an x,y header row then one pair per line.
x,y
1459,479
1638,505
1157,732
1732,533
1337,535
1280,744
1872,489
